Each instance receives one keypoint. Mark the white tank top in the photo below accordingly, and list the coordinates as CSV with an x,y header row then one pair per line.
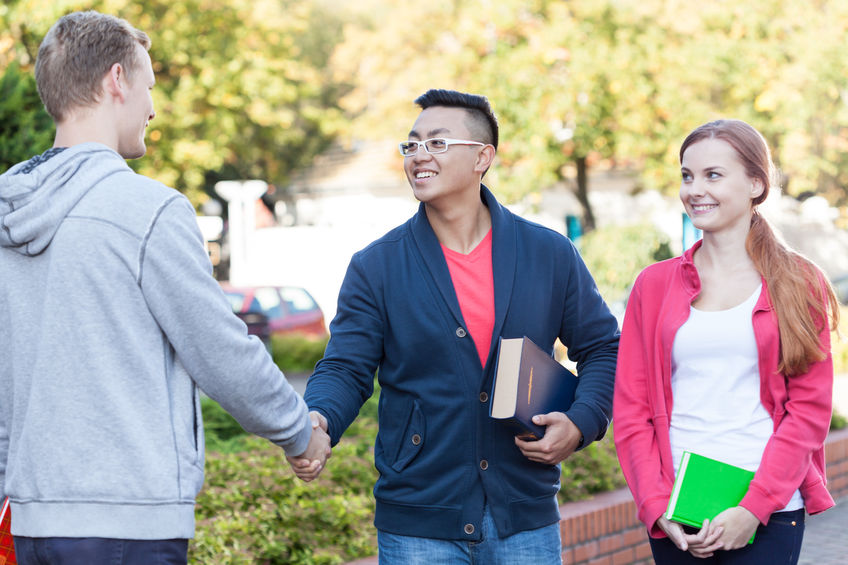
x,y
715,383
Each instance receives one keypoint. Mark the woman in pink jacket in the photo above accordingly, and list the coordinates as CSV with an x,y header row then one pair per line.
x,y
725,352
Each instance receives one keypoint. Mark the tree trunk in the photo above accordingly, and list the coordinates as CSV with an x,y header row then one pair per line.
x,y
582,193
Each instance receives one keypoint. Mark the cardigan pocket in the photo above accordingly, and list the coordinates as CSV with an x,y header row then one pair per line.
x,y
412,439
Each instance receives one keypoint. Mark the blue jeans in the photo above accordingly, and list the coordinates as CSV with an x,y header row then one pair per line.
x,y
541,546
100,551
779,543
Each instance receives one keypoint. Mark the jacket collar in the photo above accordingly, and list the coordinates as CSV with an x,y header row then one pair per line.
x,y
503,259
692,282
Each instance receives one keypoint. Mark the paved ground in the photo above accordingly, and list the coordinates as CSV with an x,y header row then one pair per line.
x,y
826,537
826,534
298,381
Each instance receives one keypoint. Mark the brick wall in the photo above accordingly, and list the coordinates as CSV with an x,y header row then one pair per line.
x,y
836,453
604,530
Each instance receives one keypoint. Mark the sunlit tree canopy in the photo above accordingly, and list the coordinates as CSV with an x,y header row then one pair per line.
x,y
257,88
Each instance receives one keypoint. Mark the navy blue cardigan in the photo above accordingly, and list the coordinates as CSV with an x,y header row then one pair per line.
x,y
439,454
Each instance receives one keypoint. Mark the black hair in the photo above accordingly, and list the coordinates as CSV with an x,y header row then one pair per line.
x,y
482,120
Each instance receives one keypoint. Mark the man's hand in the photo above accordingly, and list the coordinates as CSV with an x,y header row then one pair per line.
x,y
319,419
738,524
309,464
561,439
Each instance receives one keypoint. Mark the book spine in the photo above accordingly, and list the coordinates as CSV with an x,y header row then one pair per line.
x,y
678,483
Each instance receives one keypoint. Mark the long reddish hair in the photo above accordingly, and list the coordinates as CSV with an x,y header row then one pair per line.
x,y
802,297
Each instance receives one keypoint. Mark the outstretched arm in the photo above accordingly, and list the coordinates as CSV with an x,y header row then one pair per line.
x,y
344,378
211,343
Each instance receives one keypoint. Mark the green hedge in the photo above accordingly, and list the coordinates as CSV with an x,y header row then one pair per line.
x,y
615,255
591,471
838,421
25,127
254,510
297,354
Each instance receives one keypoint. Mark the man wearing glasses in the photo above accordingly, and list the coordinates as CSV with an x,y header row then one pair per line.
x,y
424,306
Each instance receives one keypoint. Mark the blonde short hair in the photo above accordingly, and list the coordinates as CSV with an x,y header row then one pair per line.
x,y
77,52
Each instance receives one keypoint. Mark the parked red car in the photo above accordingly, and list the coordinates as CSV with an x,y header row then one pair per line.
x,y
276,310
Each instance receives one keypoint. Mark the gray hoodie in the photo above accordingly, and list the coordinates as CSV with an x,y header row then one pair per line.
x,y
109,321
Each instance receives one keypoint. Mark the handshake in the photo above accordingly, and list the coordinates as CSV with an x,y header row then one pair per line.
x,y
309,464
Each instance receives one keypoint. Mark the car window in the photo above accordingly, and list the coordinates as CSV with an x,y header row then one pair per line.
x,y
297,299
254,306
236,299
269,301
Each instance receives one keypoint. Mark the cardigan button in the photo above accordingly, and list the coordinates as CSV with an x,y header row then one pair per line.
x,y
484,397
460,332
416,439
469,529
484,464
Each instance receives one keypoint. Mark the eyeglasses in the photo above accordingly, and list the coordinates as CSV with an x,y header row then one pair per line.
x,y
432,146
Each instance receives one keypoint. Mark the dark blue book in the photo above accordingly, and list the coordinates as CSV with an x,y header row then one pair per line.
x,y
528,381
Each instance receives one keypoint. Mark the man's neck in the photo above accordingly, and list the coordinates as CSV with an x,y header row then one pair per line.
x,y
460,227
83,128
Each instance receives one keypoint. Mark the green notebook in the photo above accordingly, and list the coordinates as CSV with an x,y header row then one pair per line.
x,y
704,488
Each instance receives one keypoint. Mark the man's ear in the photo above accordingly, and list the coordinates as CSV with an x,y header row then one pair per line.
x,y
485,158
114,82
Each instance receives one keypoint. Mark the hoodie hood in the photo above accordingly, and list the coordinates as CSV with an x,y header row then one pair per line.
x,y
34,200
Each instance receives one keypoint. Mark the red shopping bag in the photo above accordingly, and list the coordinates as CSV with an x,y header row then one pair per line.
x,y
7,546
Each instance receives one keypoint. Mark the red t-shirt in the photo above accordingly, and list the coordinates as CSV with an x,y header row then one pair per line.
x,y
474,285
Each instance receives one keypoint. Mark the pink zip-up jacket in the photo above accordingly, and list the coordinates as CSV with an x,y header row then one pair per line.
x,y
800,406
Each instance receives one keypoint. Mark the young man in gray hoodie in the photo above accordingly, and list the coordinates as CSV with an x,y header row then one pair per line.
x,y
110,320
